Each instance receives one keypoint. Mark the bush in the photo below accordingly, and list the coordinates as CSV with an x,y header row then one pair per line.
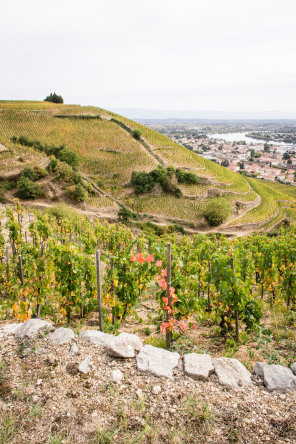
x,y
69,156
53,97
186,177
52,166
217,211
136,134
77,193
41,172
28,189
30,173
142,182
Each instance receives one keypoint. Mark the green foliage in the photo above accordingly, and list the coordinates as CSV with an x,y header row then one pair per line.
x,y
59,151
53,97
70,157
30,173
124,214
136,134
28,189
34,173
217,211
62,211
78,193
186,177
144,182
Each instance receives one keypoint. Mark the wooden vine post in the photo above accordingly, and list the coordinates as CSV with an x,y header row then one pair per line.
x,y
99,289
209,296
112,288
236,311
21,269
169,334
7,262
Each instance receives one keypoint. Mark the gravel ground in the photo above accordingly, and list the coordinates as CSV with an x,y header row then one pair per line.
x,y
44,399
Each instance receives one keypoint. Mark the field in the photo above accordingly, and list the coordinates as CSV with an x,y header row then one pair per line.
x,y
109,154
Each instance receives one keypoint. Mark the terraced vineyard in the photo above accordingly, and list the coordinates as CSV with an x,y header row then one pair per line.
x,y
109,154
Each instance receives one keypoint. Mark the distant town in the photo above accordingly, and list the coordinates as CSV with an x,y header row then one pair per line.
x,y
266,150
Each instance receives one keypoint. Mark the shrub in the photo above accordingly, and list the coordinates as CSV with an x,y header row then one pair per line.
x,y
136,134
52,166
217,211
186,177
69,156
41,172
142,182
28,189
53,97
77,193
30,173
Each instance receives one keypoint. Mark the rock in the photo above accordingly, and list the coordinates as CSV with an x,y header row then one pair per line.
x,y
32,327
9,329
96,337
72,368
157,361
258,369
156,390
121,346
139,393
62,336
84,366
116,376
232,373
198,366
129,339
51,359
74,350
293,368
276,378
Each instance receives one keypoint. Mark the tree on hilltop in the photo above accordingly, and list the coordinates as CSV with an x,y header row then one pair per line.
x,y
53,97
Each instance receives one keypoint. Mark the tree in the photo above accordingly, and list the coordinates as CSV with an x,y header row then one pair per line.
x,y
225,163
53,97
286,156
241,165
217,211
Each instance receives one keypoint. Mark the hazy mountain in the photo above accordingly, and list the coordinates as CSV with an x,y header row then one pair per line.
x,y
141,113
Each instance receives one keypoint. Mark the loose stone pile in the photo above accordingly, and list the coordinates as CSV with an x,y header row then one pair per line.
x,y
156,361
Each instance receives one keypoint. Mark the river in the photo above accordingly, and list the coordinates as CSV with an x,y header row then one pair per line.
x,y
239,137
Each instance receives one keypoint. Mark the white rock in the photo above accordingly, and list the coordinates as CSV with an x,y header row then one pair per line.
x,y
139,393
96,337
276,378
129,339
9,329
116,376
156,390
74,350
32,327
198,366
120,349
157,361
84,365
62,336
232,373
293,368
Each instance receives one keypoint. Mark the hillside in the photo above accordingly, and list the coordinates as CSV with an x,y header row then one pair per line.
x,y
109,154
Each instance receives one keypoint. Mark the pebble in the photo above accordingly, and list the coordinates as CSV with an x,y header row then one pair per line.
x,y
116,376
156,390
139,393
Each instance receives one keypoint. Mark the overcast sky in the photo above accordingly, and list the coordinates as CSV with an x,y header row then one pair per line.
x,y
232,55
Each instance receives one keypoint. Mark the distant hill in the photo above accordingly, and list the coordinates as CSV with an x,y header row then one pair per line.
x,y
109,153
154,114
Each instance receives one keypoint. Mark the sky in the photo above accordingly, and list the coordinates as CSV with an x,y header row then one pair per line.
x,y
220,55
